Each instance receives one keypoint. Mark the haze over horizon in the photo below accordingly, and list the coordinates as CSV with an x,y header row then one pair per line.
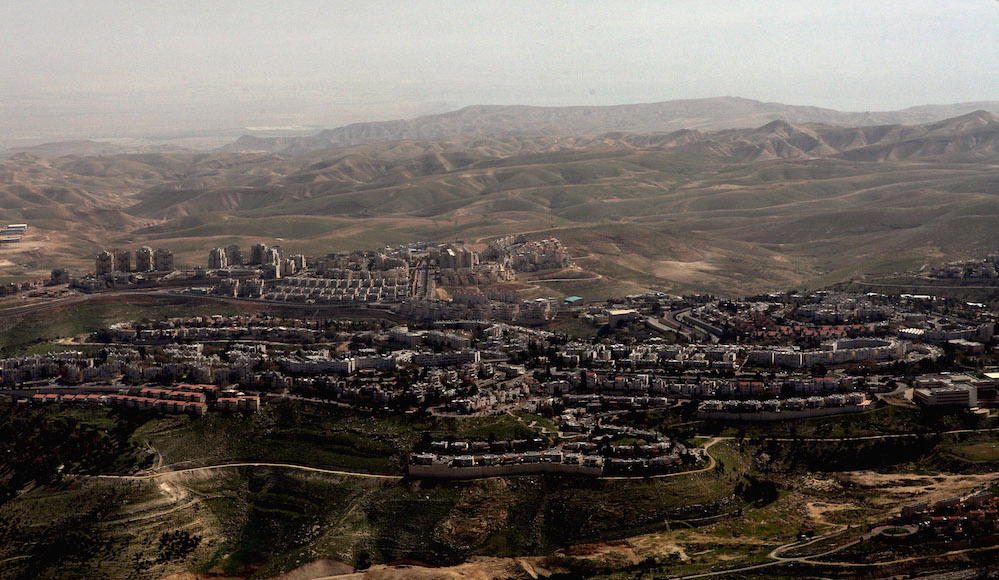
x,y
144,69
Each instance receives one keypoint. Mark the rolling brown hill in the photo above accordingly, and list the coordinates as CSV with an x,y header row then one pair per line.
x,y
370,179
499,121
970,137
736,210
89,148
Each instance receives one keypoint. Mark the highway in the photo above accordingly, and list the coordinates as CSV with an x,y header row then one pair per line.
x,y
659,326
29,308
673,323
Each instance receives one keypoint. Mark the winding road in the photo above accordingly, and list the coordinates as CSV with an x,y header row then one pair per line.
x,y
776,555
251,464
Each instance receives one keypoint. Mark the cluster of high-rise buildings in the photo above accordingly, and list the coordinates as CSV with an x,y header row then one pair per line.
x,y
146,260
270,259
230,255
452,257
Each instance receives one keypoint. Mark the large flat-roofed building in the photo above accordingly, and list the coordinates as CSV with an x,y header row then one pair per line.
x,y
14,229
616,316
456,257
272,257
105,263
257,252
835,352
233,255
122,261
163,260
947,396
144,259
217,259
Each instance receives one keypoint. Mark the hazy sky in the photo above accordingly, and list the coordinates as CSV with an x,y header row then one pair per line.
x,y
105,68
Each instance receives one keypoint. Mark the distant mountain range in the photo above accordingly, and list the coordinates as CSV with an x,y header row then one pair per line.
x,y
777,204
366,180
970,137
90,148
505,121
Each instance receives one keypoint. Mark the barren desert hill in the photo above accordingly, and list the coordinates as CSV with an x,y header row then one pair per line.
x,y
730,210
74,205
709,114
780,203
433,177
93,147
971,137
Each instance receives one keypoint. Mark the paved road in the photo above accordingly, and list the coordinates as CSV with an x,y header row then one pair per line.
x,y
711,465
673,316
660,327
59,302
687,329
680,317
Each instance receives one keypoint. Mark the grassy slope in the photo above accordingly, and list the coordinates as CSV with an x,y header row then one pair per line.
x,y
316,435
17,333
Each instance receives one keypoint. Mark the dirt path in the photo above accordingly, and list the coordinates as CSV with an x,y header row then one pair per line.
x,y
547,280
250,464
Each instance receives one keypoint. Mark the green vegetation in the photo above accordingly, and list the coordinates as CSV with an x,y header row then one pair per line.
x,y
177,545
42,445
317,435
977,451
272,519
498,427
574,328
538,420
65,531
279,434
278,519
49,347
